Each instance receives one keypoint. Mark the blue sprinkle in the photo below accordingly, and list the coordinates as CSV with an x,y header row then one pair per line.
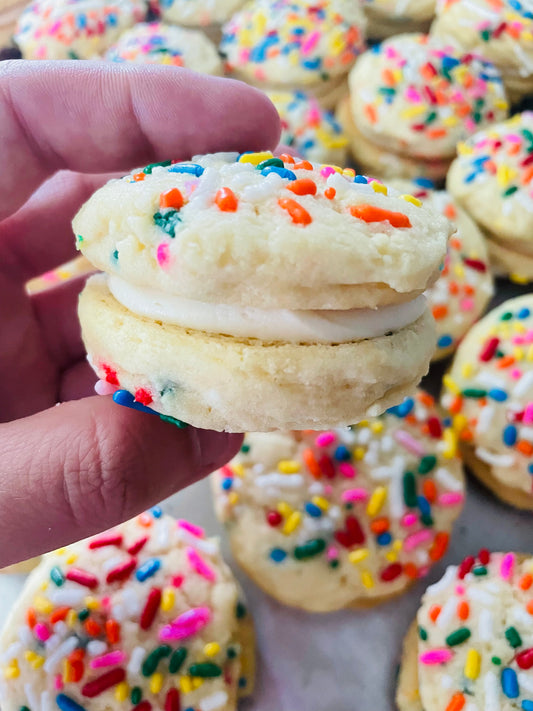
x,y
527,705
424,183
360,179
498,395
227,483
342,454
447,422
445,341
192,168
148,569
65,703
423,505
312,63
278,555
510,435
156,511
449,62
282,172
313,510
523,313
384,539
259,52
126,399
81,21
112,20
470,178
403,409
530,468
510,683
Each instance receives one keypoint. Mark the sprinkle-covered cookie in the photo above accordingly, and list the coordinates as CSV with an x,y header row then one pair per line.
x,y
331,519
472,647
489,395
146,616
208,14
74,29
390,17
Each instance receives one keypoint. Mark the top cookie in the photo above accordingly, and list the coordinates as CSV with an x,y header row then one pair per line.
x,y
253,230
501,30
74,29
418,97
387,16
197,13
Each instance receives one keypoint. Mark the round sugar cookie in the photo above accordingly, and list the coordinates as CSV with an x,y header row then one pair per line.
x,y
472,644
415,97
492,179
392,17
74,29
309,130
489,394
295,44
347,517
465,286
207,14
501,31
157,43
144,616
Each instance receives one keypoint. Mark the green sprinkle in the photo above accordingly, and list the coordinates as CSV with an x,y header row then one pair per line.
x,y
276,162
458,637
24,708
479,570
474,392
240,610
114,256
79,240
431,117
510,191
152,660
513,637
136,695
231,653
427,520
205,670
496,660
173,421
528,135
245,448
310,549
422,633
485,35
83,614
56,576
334,563
72,55
151,166
427,464
243,682
409,489
167,221
387,90
507,316
177,659
477,116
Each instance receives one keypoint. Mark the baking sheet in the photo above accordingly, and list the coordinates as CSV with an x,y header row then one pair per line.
x,y
344,661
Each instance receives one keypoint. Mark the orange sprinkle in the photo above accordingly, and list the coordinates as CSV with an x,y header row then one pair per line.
x,y
463,610
435,133
430,490
370,112
92,628
31,618
526,581
456,405
466,435
451,213
303,186
286,158
469,289
440,311
434,612
440,545
311,463
226,200
506,362
457,702
138,177
371,213
144,520
529,607
453,288
172,198
380,525
299,214
527,177
455,242
59,615
112,630
303,165
411,570
77,655
330,193
426,399
525,447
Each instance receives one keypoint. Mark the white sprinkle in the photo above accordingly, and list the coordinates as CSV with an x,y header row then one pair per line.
x,y
64,649
52,643
26,637
346,435
447,682
67,597
206,546
489,380
525,433
213,702
136,660
387,443
524,385
316,488
525,681
471,707
163,533
447,613
484,420
496,460
31,696
119,613
492,692
11,652
61,629
396,501
283,481
447,480
131,601
482,596
113,562
522,616
96,647
364,435
485,625
447,579
335,513
45,701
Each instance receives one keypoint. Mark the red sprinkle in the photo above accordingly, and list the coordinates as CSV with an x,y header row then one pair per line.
x,y
143,706
103,683
489,349
112,539
226,200
122,571
303,186
465,567
371,213
81,577
525,659
137,546
172,700
143,396
435,427
273,518
172,198
326,466
484,556
476,264
110,374
150,609
391,572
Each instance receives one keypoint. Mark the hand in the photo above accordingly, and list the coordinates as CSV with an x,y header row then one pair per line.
x,y
69,471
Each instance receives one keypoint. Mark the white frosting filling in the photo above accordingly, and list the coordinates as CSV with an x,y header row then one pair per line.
x,y
318,326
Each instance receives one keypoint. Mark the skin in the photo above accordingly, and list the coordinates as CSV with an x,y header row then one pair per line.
x,y
69,471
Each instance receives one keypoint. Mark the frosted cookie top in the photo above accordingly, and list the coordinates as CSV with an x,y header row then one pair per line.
x,y
156,43
74,29
489,392
413,10
416,96
197,13
371,505
146,615
287,42
475,647
245,230
492,178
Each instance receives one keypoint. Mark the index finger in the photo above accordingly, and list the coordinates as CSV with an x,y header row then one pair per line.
x,y
95,117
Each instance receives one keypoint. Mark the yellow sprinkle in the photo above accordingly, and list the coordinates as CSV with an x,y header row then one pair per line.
x,y
473,664
12,671
412,200
504,105
44,585
518,353
450,121
167,599
397,545
413,111
529,354
284,509
519,327
467,370
197,682
450,440
255,159
43,605
358,556
348,172
186,684
71,559
377,427
211,649
38,662
156,683
71,618
60,551
391,556
376,500
92,603
233,498
518,279
379,188
459,422
459,271
238,469
359,453
122,691
321,502
29,656
292,523
366,579
463,149
289,466
363,423
504,175
450,384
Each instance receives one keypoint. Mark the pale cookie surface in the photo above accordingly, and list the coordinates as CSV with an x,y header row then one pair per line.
x,y
465,286
294,43
475,637
500,30
198,13
492,179
157,43
387,17
326,520
418,97
144,616
489,393
74,29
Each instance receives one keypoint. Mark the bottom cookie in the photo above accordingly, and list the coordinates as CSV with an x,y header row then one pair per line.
x,y
407,690
508,262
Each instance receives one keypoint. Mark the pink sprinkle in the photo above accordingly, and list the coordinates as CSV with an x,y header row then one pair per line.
x,y
226,472
409,520
177,581
450,499
354,495
328,490
435,656
516,373
41,632
332,553
199,565
518,340
409,443
528,337
326,171
412,95
528,414
58,682
347,470
423,571
507,566
186,625
108,660
104,388
162,254
513,138
191,528
324,439
310,42
460,590
417,539
467,304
